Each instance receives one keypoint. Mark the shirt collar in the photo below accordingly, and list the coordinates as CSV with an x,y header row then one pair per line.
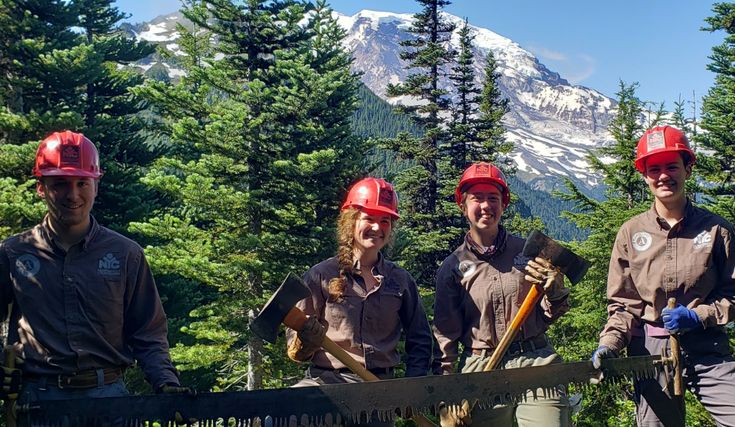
x,y
689,211
488,252
51,238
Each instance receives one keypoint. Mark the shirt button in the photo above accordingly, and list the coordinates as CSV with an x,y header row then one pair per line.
x,y
69,279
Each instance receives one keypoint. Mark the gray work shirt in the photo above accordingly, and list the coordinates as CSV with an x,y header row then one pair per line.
x,y
368,325
693,261
477,298
95,306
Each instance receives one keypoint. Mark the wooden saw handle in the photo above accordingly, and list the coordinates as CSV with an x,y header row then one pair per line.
x,y
675,356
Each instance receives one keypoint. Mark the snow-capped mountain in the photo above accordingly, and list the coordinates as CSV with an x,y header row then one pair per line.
x,y
553,124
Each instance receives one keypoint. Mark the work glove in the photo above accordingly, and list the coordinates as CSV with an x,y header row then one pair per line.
x,y
10,383
455,415
542,272
602,352
179,417
679,319
308,340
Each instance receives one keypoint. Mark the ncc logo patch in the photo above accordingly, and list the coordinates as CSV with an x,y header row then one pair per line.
x,y
655,141
70,155
642,241
27,265
703,240
108,265
520,261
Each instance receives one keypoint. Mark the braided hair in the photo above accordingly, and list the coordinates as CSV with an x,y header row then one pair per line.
x,y
345,243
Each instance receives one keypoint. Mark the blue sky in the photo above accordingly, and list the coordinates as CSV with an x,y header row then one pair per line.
x,y
657,43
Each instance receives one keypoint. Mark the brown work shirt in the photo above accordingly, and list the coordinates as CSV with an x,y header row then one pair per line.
x,y
693,261
368,325
479,294
93,307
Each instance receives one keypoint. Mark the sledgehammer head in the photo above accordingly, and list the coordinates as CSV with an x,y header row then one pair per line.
x,y
572,265
283,301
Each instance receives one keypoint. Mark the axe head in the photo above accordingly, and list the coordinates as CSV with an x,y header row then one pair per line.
x,y
572,265
291,291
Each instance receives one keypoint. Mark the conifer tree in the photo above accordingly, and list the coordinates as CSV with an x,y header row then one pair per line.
x,y
422,245
576,333
717,107
261,156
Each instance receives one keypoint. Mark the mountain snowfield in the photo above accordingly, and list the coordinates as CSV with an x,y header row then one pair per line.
x,y
552,123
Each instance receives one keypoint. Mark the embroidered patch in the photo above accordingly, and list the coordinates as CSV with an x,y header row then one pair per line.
x,y
703,240
108,265
467,268
642,241
27,265
392,286
520,261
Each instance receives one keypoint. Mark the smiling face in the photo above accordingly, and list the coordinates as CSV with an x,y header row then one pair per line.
x,y
69,200
666,174
372,231
483,208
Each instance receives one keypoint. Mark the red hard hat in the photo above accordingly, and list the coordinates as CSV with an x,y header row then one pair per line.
x,y
373,194
482,172
67,154
659,140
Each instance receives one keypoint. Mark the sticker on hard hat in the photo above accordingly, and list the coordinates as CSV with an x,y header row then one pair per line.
x,y
70,156
386,198
655,141
482,169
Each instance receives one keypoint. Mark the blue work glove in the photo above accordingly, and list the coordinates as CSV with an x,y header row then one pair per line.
x,y
679,319
602,352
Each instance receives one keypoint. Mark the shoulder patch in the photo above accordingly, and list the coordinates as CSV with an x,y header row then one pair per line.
x,y
703,240
27,265
642,241
466,268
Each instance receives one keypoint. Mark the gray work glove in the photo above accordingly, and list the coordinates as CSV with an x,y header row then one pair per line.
x,y
542,272
455,415
308,340
312,334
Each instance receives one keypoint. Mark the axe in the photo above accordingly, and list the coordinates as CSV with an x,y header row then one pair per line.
x,y
572,265
281,308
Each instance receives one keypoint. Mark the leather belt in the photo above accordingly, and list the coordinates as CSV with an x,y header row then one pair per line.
x,y
518,347
376,371
84,379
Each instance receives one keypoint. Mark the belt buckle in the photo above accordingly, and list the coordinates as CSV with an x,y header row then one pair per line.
x,y
59,382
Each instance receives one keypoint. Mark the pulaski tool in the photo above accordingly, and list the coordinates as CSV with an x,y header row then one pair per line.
x,y
572,265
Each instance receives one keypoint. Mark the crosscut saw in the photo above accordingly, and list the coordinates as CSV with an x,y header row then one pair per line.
x,y
337,404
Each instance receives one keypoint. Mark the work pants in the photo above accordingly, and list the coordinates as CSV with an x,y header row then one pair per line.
x,y
44,390
317,376
543,410
708,372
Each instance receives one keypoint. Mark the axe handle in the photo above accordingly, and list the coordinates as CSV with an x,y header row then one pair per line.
x,y
675,356
295,319
529,304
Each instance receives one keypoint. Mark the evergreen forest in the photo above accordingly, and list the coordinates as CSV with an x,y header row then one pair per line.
x,y
232,175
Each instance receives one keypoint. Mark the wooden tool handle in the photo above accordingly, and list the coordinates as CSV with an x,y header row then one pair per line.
x,y
675,356
529,304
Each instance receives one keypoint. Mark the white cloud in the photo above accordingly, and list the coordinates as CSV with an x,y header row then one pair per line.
x,y
575,68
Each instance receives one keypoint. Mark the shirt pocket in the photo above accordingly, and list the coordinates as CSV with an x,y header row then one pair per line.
x,y
699,268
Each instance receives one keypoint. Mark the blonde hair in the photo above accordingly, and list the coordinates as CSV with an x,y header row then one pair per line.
x,y
345,243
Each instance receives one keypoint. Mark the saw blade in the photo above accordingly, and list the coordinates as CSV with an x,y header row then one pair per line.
x,y
339,404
